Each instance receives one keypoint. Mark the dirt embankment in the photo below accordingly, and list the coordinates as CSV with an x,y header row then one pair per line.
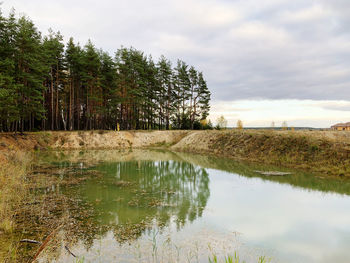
x,y
114,140
88,140
322,152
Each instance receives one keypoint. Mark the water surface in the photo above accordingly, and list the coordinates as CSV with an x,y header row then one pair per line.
x,y
158,206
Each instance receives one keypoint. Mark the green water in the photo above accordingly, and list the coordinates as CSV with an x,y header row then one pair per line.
x,y
158,206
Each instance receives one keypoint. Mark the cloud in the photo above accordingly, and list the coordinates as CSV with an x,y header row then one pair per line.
x,y
297,113
315,12
334,105
273,50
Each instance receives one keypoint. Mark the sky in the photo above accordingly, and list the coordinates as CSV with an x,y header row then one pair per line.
x,y
264,60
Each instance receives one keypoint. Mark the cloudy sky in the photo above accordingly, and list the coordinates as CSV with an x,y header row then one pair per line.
x,y
264,60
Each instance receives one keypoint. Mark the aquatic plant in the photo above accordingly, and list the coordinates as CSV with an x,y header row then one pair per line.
x,y
234,259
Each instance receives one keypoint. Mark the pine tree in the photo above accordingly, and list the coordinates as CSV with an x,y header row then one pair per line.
x,y
152,97
108,108
74,64
30,72
203,97
194,93
54,57
90,83
9,114
166,96
182,88
70,64
45,85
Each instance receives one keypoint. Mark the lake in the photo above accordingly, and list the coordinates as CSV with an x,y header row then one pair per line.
x,y
161,206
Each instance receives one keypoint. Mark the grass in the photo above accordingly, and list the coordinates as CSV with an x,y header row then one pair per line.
x,y
212,259
13,190
12,186
323,152
6,224
234,259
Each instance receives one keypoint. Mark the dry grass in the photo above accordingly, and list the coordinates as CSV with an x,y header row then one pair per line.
x,y
323,152
13,190
12,185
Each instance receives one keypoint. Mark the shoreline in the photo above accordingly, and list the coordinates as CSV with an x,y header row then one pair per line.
x,y
322,152
276,148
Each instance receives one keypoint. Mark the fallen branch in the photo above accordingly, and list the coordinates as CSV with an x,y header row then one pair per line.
x,y
45,243
273,173
30,241
70,252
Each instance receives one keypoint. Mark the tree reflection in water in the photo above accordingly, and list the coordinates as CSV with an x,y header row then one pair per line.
x,y
102,197
132,196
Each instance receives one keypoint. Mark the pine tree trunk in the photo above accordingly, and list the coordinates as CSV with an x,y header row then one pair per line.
x,y
78,108
57,113
191,101
72,110
51,94
70,105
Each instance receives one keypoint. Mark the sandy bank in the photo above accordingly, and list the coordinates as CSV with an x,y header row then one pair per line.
x,y
325,152
321,152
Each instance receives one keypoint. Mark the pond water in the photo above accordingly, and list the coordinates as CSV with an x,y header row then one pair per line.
x,y
159,206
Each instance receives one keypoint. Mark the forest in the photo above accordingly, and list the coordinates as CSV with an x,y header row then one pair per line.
x,y
46,84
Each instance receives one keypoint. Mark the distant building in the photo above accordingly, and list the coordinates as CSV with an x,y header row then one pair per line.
x,y
341,127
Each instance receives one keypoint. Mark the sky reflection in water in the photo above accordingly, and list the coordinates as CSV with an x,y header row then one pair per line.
x,y
197,200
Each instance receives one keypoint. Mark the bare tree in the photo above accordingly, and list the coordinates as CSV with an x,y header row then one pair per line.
x,y
221,122
240,124
284,126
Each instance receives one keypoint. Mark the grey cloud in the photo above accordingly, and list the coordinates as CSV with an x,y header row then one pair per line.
x,y
270,49
336,105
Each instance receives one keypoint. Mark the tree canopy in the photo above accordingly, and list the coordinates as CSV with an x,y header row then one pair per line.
x,y
46,84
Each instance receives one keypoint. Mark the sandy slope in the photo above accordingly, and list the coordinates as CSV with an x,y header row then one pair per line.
x,y
318,151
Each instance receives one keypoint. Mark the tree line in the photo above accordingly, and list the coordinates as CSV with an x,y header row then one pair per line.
x,y
46,84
